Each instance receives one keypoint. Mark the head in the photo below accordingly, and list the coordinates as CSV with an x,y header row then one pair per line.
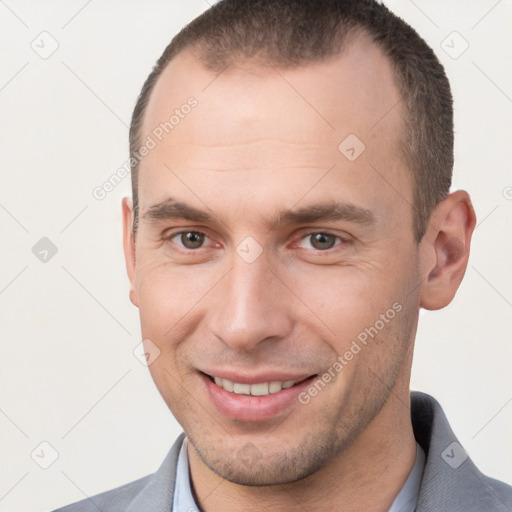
x,y
289,226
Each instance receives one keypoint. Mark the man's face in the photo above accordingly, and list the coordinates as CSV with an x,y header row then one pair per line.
x,y
264,252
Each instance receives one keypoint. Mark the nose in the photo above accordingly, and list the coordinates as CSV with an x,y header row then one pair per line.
x,y
252,306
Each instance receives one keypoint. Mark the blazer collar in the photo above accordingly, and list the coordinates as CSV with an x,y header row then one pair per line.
x,y
158,493
450,481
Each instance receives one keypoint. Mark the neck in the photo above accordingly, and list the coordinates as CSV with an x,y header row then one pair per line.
x,y
367,476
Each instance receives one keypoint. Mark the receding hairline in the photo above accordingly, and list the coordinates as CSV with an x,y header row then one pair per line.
x,y
265,63
294,33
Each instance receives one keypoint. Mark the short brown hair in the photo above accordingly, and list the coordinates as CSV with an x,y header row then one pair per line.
x,y
291,33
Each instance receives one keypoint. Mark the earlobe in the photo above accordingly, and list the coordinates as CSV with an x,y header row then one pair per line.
x,y
129,247
446,246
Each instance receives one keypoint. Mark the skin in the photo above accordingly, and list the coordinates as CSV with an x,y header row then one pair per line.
x,y
263,140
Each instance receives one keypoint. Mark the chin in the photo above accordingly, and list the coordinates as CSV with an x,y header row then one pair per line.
x,y
250,466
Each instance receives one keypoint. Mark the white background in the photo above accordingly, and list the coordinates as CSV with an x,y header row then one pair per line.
x,y
67,329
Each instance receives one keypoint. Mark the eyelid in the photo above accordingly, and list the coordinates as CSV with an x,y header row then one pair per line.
x,y
343,238
306,232
169,234
338,241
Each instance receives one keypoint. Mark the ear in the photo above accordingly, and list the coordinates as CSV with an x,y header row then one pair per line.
x,y
129,247
445,250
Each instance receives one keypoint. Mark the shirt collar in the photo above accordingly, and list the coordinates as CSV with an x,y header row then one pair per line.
x,y
406,500
183,499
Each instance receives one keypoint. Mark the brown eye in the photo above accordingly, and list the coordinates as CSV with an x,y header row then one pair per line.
x,y
322,241
191,239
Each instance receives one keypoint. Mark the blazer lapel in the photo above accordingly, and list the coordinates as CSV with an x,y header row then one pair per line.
x,y
451,481
157,495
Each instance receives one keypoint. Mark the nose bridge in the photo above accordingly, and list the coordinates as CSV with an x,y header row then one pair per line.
x,y
249,310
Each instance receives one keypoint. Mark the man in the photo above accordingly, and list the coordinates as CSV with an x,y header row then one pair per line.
x,y
291,165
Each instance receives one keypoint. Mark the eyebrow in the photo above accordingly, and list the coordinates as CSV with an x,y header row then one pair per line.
x,y
171,209
332,211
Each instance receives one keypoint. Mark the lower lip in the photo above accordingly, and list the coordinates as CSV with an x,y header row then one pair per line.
x,y
253,408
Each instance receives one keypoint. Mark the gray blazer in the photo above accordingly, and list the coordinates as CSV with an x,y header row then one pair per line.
x,y
451,482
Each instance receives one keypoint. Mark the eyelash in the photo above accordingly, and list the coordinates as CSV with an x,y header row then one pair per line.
x,y
339,240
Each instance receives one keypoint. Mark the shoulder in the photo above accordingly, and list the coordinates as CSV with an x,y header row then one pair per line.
x,y
115,500
153,492
451,481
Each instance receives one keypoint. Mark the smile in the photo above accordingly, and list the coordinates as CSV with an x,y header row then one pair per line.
x,y
258,397
259,389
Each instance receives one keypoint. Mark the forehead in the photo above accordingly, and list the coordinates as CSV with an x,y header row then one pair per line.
x,y
277,122
351,91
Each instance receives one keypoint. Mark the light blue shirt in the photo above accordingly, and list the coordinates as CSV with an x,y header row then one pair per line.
x,y
406,500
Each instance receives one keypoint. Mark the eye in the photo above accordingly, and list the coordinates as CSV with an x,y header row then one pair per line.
x,y
190,239
320,241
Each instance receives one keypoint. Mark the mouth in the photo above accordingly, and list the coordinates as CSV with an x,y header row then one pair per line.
x,y
256,401
257,389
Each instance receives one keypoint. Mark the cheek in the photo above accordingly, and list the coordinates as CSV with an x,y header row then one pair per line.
x,y
168,296
354,302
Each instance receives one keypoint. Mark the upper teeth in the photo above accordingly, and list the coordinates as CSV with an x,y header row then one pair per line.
x,y
260,389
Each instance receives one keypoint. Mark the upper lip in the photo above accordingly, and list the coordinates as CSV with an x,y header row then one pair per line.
x,y
256,378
